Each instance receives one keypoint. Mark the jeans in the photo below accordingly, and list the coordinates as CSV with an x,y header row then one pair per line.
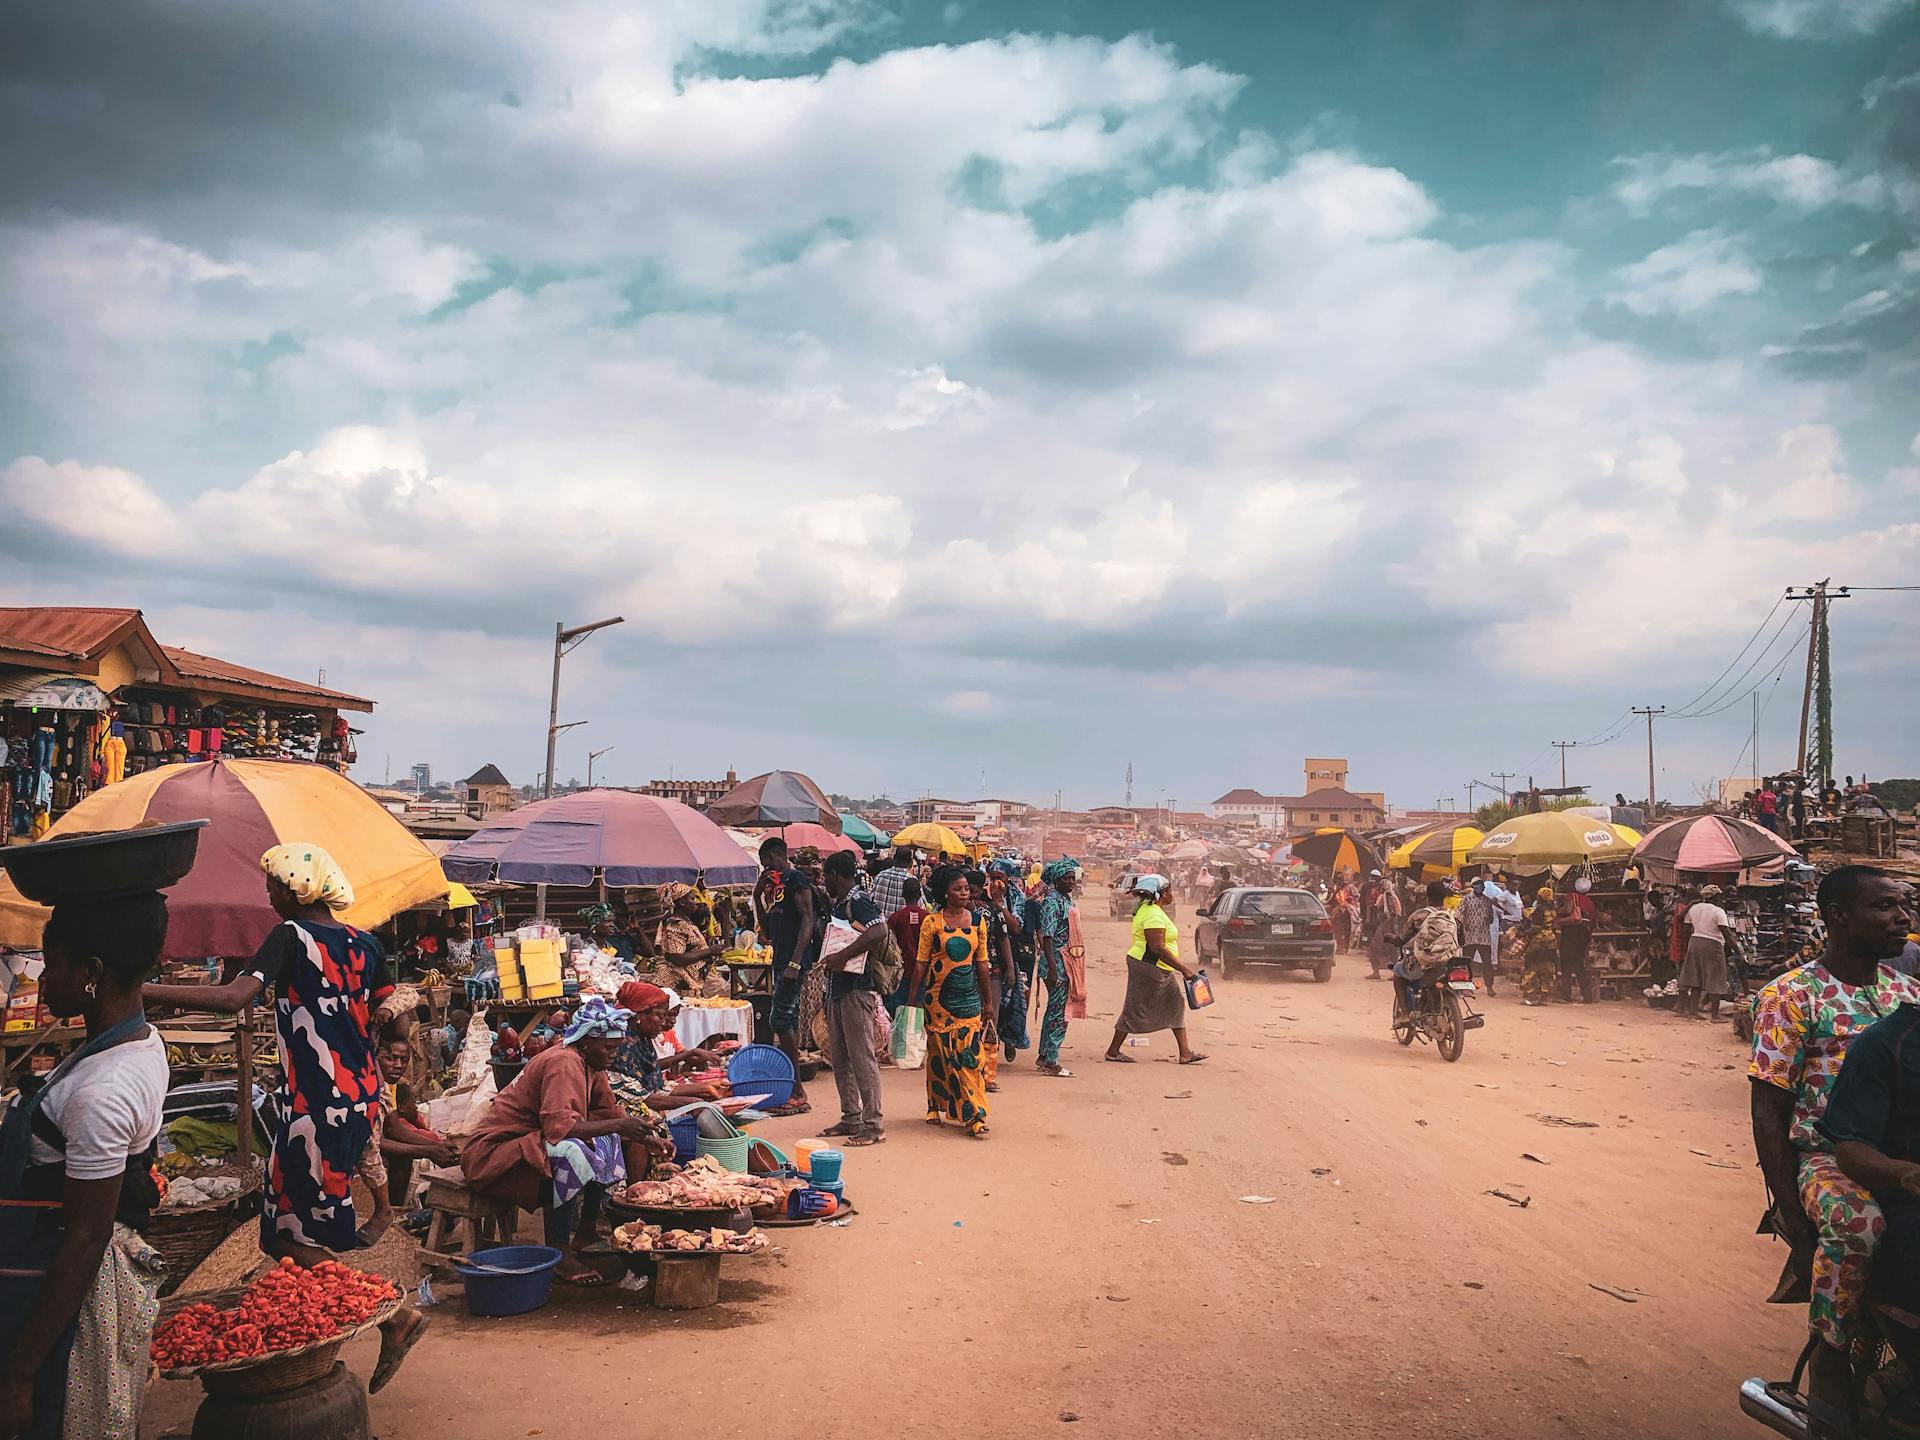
x,y
852,1021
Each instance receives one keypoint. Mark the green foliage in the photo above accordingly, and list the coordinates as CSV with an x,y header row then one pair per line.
x,y
1898,794
1498,813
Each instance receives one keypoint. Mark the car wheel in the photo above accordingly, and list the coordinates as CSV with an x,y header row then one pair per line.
x,y
1225,969
1323,972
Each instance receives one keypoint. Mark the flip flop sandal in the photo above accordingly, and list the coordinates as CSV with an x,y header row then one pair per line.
x,y
860,1139
1193,1060
1056,1072
994,1088
792,1107
1119,1059
591,1280
841,1129
389,1366
876,1137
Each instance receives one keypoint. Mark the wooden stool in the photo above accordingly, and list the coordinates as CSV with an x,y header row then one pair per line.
x,y
454,1203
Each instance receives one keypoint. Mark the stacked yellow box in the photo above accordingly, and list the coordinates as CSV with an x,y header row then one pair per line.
x,y
540,968
513,985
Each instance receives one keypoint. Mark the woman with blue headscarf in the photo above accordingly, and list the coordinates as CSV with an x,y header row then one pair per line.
x,y
1156,976
556,1138
1053,936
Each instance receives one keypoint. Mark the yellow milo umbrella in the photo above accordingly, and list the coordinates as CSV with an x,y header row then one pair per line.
x,y
1437,852
1554,837
931,837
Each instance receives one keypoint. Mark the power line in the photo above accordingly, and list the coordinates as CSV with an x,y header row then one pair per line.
x,y
1689,712
1736,659
1785,656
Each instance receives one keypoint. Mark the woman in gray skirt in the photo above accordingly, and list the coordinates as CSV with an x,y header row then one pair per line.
x,y
1703,974
1156,976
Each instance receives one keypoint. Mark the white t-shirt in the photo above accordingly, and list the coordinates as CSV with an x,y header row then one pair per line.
x,y
108,1106
1708,920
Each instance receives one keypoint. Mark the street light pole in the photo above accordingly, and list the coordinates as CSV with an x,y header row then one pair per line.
x,y
563,641
593,755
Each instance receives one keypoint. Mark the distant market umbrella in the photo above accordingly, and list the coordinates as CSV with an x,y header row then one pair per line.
x,y
1189,850
1437,852
221,907
779,797
860,832
1336,849
1554,837
618,835
1148,857
798,837
1710,845
937,838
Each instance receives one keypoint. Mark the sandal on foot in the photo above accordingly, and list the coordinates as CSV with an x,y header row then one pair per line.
x,y
1193,1060
843,1128
390,1362
860,1138
792,1107
1119,1059
1055,1072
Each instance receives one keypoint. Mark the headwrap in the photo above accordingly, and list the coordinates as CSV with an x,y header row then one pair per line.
x,y
807,855
673,892
1152,885
673,997
310,873
1712,892
597,914
596,1017
1058,870
638,995
1009,868
1545,892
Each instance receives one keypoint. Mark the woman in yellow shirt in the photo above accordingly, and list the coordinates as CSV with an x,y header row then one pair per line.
x,y
1156,976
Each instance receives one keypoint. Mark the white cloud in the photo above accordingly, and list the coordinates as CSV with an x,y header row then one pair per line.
x,y
1688,275
1801,182
1817,19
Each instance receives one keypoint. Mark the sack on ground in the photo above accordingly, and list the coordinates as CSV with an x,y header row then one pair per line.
x,y
909,1048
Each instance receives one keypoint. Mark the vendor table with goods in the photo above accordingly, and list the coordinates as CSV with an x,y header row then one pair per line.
x,y
702,1020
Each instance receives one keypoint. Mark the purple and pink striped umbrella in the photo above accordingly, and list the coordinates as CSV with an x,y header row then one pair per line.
x,y
1711,845
573,839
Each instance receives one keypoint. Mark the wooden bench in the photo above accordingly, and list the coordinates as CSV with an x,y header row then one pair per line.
x,y
455,1204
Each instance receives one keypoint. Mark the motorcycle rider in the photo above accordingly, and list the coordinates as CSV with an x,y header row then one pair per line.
x,y
1432,938
1804,1023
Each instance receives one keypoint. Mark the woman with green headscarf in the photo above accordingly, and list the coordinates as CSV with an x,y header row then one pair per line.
x,y
1054,937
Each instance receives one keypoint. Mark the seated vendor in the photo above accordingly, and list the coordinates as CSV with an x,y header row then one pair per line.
x,y
401,1135
686,954
602,930
643,1071
556,1138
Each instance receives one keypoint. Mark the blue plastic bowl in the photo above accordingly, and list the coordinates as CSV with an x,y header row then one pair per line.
x,y
685,1130
823,1166
526,1288
761,1070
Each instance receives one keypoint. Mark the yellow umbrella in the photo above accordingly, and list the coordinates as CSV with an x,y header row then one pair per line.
x,y
220,907
1437,852
459,897
931,837
1554,837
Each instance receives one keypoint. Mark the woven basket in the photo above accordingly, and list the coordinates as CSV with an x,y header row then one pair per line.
x,y
189,1234
271,1373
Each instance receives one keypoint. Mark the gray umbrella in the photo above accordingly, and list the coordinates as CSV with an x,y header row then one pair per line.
x,y
779,797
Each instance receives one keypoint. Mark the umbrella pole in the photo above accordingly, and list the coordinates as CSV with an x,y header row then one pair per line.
x,y
539,903
243,1060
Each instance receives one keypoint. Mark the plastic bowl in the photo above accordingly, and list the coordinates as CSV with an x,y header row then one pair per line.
x,y
761,1070
525,1285
104,864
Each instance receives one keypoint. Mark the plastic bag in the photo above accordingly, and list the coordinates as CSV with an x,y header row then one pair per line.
x,y
909,1048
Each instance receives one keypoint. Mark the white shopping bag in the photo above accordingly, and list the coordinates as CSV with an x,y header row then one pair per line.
x,y
909,1037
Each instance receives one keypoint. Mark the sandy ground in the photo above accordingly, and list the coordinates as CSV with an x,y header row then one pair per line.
x,y
1093,1259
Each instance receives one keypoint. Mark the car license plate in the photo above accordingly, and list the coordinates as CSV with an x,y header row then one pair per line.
x,y
1467,986
1283,929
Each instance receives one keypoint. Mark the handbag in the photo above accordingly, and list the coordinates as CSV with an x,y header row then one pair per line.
x,y
1199,991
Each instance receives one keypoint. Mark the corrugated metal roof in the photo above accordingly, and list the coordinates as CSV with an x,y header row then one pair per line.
x,y
206,669
70,632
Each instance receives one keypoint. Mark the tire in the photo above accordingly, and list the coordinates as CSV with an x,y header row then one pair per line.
x,y
1452,1039
1323,972
1225,968
1403,1024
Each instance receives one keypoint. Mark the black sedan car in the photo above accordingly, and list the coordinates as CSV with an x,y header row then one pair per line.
x,y
1252,925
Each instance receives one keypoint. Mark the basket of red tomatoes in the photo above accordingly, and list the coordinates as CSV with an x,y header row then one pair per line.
x,y
281,1330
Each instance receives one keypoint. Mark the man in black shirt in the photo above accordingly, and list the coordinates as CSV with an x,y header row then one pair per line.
x,y
784,897
1873,1119
855,933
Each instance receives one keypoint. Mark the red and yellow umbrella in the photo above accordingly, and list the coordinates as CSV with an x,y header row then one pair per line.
x,y
221,908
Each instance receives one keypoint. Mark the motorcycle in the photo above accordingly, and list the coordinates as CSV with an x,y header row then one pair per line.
x,y
1442,1005
1884,1357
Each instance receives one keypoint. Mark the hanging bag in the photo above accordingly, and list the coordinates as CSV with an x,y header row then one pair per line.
x,y
909,1046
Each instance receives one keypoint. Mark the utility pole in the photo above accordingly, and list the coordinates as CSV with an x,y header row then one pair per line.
x,y
593,755
1650,711
1753,741
1129,799
1563,746
563,641
1506,796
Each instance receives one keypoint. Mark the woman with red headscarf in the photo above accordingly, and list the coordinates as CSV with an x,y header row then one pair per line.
x,y
641,1073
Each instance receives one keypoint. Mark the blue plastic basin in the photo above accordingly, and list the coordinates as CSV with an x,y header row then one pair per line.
x,y
526,1288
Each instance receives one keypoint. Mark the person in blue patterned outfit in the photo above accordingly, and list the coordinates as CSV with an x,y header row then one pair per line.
x,y
1005,889
1053,934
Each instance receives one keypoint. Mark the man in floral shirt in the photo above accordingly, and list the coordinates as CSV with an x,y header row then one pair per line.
x,y
1803,1024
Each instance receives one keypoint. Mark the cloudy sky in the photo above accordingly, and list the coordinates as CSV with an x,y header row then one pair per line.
x,y
979,397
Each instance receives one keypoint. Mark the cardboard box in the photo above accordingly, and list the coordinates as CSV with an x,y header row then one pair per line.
x,y
553,991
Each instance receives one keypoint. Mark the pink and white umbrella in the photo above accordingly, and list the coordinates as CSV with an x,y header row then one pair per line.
x,y
1711,845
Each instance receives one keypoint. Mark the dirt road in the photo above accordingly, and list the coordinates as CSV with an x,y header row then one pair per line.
x,y
1094,1258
